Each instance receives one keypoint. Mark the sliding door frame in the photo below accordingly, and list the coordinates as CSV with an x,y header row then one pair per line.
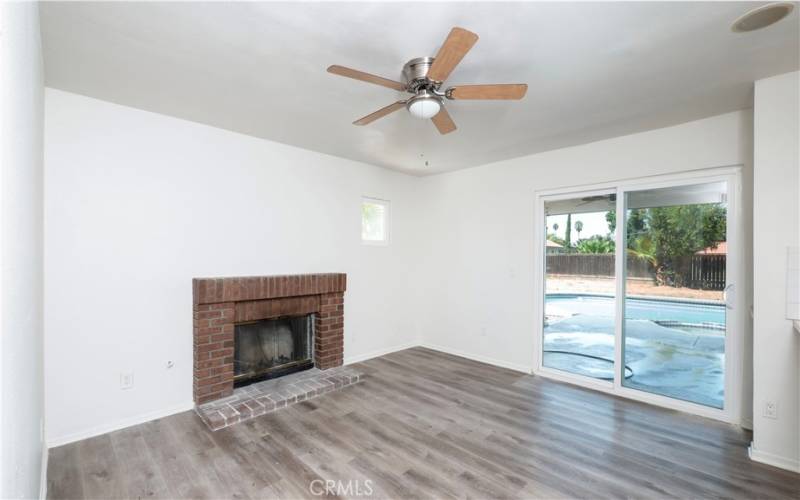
x,y
540,277
734,338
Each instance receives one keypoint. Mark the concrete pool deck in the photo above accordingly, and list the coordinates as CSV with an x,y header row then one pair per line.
x,y
591,284
675,361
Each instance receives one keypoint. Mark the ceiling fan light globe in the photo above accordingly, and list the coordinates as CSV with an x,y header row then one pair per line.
x,y
424,108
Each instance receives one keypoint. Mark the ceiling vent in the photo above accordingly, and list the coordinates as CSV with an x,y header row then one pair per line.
x,y
761,17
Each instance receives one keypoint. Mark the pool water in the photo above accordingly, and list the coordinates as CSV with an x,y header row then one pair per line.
x,y
672,347
640,308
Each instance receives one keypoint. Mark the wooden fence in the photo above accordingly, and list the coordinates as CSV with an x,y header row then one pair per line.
x,y
705,272
591,264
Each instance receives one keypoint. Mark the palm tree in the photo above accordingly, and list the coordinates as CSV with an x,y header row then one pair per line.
x,y
643,248
579,228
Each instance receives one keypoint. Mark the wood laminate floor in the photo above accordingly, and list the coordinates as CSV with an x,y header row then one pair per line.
x,y
424,424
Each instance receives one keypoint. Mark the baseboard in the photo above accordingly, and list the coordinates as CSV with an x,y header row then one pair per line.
x,y
771,459
146,417
447,350
482,359
43,472
380,352
119,424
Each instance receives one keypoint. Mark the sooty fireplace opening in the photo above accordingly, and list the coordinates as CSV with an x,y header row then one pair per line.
x,y
271,348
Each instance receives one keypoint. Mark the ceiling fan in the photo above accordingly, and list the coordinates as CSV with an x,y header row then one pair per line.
x,y
602,197
424,77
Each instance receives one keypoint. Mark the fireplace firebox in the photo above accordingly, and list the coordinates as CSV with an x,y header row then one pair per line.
x,y
271,348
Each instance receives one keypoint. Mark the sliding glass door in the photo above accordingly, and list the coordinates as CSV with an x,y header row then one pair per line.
x,y
674,330
579,321
637,283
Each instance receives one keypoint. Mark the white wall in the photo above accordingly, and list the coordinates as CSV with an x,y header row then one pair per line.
x,y
776,355
21,330
136,204
480,223
139,203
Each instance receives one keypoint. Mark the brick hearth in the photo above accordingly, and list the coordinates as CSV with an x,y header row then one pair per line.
x,y
269,395
220,303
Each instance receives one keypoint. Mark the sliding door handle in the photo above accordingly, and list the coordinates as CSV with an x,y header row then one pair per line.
x,y
729,296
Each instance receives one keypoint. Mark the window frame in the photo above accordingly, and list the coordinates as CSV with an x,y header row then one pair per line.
x,y
387,222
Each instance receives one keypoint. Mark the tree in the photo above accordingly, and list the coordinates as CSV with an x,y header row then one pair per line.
x,y
568,232
682,230
637,222
555,227
642,248
579,228
611,220
664,236
596,244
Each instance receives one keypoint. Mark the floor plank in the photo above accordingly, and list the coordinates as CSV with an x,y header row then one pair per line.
x,y
424,424
64,475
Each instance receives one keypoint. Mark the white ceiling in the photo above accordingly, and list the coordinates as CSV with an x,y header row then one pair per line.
x,y
594,70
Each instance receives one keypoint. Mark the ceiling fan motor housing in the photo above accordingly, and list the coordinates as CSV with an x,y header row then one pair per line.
x,y
416,74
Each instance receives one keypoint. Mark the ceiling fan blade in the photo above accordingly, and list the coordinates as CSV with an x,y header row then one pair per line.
x,y
457,44
365,77
380,113
443,122
500,91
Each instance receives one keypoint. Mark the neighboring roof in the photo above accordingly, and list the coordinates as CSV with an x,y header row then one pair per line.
x,y
553,244
721,249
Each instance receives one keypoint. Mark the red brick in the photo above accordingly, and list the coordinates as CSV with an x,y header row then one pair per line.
x,y
209,330
330,342
210,347
210,363
220,337
218,321
207,314
211,380
224,369
222,352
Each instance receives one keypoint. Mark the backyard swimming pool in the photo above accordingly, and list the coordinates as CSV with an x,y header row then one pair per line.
x,y
672,347
653,309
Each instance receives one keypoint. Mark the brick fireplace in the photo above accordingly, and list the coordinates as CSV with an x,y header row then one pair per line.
x,y
221,303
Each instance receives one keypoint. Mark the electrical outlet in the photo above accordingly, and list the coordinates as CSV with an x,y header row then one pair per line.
x,y
126,380
771,409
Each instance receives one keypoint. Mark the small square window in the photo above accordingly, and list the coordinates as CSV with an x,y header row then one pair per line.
x,y
374,221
